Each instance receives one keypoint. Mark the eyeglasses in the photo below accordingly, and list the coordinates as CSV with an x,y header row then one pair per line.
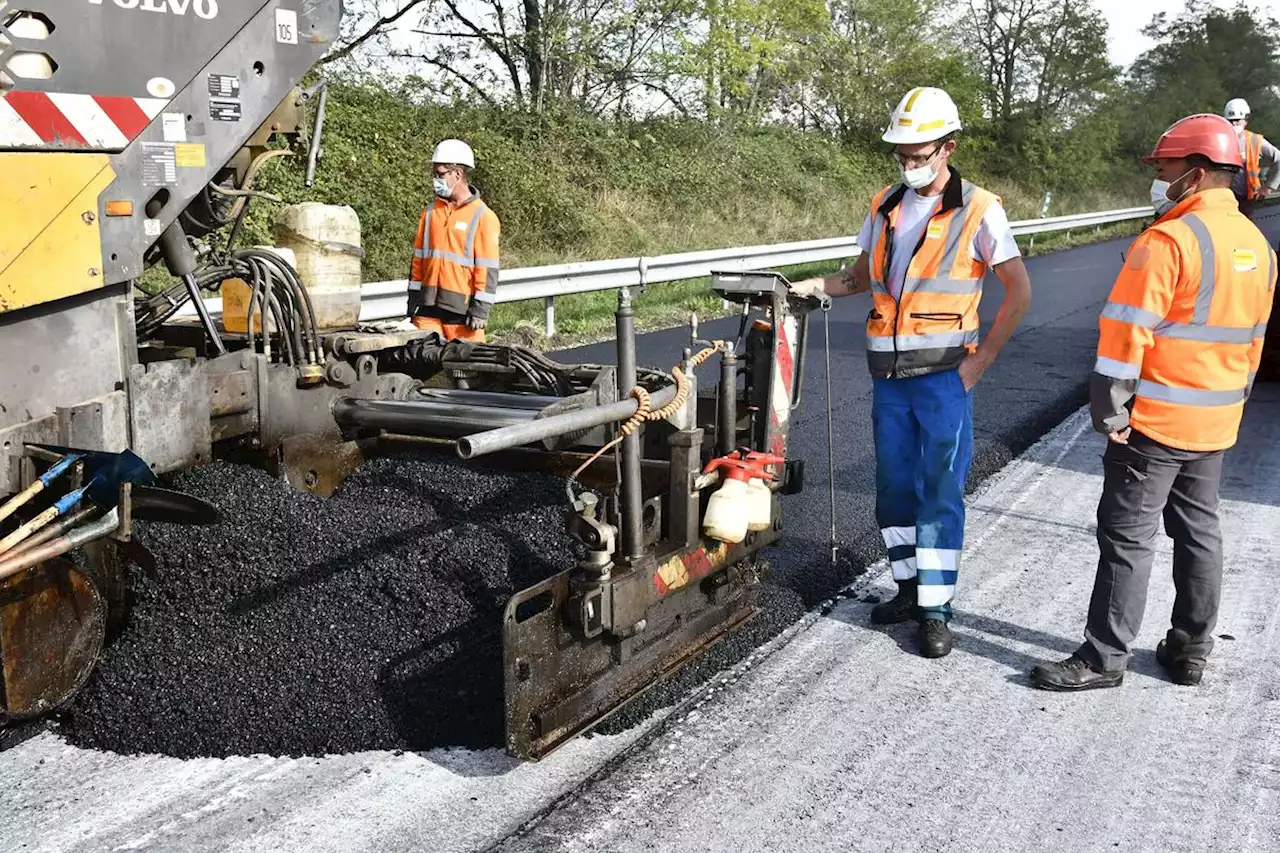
x,y
916,160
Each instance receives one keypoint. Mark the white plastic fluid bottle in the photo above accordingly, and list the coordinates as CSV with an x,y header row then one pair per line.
x,y
728,510
759,495
759,505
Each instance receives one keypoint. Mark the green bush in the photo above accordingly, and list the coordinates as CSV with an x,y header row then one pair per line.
x,y
571,187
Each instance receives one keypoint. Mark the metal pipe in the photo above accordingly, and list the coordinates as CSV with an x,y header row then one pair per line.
x,y
313,151
41,483
630,497
12,564
425,417
482,444
726,428
489,398
56,529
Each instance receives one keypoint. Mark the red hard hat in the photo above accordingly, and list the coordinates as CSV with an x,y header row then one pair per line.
x,y
1210,136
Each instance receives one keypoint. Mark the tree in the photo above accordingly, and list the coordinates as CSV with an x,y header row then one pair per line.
x,y
746,53
1042,60
873,53
1202,58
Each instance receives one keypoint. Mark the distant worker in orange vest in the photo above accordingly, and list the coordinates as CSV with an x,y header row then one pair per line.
x,y
1248,186
1178,348
928,242
454,277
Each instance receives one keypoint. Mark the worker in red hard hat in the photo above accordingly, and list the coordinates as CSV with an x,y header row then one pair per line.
x,y
1180,339
1254,149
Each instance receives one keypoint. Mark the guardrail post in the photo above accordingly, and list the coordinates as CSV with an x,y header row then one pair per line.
x,y
549,302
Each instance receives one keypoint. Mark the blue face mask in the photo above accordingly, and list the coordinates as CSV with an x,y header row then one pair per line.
x,y
441,187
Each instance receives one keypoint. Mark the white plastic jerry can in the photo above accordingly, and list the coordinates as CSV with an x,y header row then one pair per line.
x,y
759,505
728,510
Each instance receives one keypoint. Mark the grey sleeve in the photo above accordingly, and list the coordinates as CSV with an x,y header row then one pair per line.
x,y
1271,155
1109,402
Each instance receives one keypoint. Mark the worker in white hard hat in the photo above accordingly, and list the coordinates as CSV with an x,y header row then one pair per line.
x,y
454,277
1256,150
927,245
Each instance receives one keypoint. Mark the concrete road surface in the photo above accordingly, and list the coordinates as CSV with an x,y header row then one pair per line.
x,y
846,740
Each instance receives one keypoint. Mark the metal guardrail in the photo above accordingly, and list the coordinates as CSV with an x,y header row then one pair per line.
x,y
386,300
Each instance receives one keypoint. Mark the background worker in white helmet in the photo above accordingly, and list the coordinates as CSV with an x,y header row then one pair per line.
x,y
454,276
1248,185
927,245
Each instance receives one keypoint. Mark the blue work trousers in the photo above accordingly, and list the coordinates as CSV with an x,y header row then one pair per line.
x,y
924,444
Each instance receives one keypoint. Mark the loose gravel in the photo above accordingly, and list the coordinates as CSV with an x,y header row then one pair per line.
x,y
302,626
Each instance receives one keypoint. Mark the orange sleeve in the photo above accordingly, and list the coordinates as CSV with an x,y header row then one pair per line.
x,y
1140,299
484,276
1260,330
419,248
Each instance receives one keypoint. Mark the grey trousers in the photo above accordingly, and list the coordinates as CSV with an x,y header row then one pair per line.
x,y
1143,480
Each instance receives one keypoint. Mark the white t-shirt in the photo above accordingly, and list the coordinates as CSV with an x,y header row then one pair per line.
x,y
993,244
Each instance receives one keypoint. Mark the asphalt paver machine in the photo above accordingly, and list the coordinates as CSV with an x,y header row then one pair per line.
x,y
130,134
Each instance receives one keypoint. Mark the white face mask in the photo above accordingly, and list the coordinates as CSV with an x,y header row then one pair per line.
x,y
922,176
1160,194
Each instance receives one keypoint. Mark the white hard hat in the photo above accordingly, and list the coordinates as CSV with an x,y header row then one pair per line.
x,y
923,115
454,152
1237,108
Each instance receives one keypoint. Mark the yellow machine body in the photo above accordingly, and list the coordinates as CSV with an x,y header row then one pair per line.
x,y
50,244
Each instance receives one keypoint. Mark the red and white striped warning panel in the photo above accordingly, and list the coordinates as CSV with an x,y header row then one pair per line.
x,y
92,122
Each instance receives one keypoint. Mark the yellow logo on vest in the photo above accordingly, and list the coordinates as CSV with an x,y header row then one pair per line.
x,y
935,229
1244,260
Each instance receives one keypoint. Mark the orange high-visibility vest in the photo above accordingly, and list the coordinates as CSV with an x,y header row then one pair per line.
x,y
1252,151
934,323
455,257
1181,334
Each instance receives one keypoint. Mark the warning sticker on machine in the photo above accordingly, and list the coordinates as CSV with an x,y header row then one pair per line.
x,y
151,227
224,86
174,126
159,164
189,155
224,109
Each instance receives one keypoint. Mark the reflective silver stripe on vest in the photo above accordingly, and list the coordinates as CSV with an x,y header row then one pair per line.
x,y
1260,330
452,257
415,285
1132,315
941,340
1188,396
419,253
943,284
877,284
1208,268
1116,369
471,231
1205,334
483,296
1271,269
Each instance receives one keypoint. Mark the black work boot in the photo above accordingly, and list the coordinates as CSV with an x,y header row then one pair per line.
x,y
935,638
900,608
1170,654
1073,674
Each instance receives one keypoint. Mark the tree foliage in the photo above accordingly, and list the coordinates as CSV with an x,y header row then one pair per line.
x,y
1039,99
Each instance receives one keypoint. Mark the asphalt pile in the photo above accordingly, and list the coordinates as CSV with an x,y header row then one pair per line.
x,y
303,626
